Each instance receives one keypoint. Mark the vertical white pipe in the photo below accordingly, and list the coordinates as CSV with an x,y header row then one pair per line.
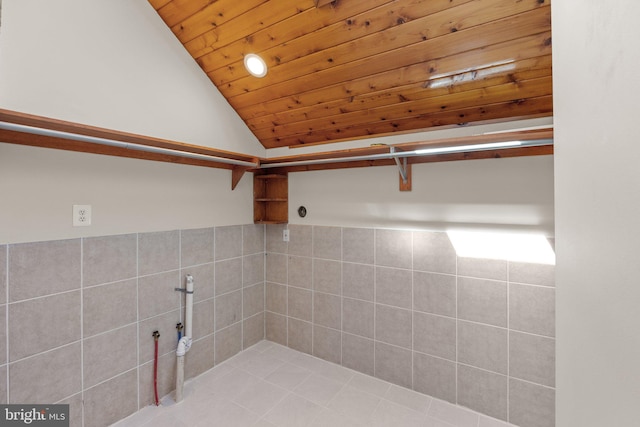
x,y
180,379
185,342
189,308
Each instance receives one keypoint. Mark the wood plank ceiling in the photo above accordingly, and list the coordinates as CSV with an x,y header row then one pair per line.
x,y
352,68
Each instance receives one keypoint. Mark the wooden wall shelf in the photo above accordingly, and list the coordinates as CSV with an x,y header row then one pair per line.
x,y
270,198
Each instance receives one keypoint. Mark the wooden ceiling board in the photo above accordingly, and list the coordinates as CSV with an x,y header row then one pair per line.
x,y
206,49
157,4
389,32
360,36
306,75
535,107
370,108
528,47
261,17
523,70
353,69
175,11
488,95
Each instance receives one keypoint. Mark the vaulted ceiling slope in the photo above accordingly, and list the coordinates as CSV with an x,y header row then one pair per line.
x,y
352,68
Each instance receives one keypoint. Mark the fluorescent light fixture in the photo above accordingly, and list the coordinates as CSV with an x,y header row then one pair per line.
x,y
532,248
496,132
473,147
469,74
255,65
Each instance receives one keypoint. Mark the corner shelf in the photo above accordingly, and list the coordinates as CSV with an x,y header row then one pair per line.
x,y
270,199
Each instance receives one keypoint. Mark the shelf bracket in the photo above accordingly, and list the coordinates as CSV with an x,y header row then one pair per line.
x,y
236,175
405,171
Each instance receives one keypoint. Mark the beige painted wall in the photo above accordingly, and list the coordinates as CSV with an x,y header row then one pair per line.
x,y
136,77
512,193
39,187
114,64
596,87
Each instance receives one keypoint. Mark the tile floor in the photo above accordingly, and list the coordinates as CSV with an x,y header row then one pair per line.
x,y
269,385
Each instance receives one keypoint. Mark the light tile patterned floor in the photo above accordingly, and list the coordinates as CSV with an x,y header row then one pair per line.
x,y
269,385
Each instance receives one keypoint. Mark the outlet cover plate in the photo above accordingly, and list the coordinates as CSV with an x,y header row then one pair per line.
x,y
81,215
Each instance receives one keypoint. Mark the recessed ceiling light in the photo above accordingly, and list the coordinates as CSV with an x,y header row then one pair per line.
x,y
255,65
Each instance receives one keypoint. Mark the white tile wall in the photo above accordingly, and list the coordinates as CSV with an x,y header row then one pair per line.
x,y
469,331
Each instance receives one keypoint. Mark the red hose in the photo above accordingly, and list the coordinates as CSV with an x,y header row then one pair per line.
x,y
156,335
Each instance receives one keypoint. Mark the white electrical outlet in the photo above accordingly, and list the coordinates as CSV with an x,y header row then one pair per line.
x,y
285,235
81,215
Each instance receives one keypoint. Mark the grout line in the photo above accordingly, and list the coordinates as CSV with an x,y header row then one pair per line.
x,y
335,396
157,273
115,282
45,296
6,322
479,368
341,293
251,317
69,397
530,284
82,242
375,299
82,330
232,257
532,383
508,342
391,345
527,333
138,319
215,285
111,378
457,322
505,328
313,299
31,356
262,417
220,330
213,248
241,289
264,281
412,310
366,338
